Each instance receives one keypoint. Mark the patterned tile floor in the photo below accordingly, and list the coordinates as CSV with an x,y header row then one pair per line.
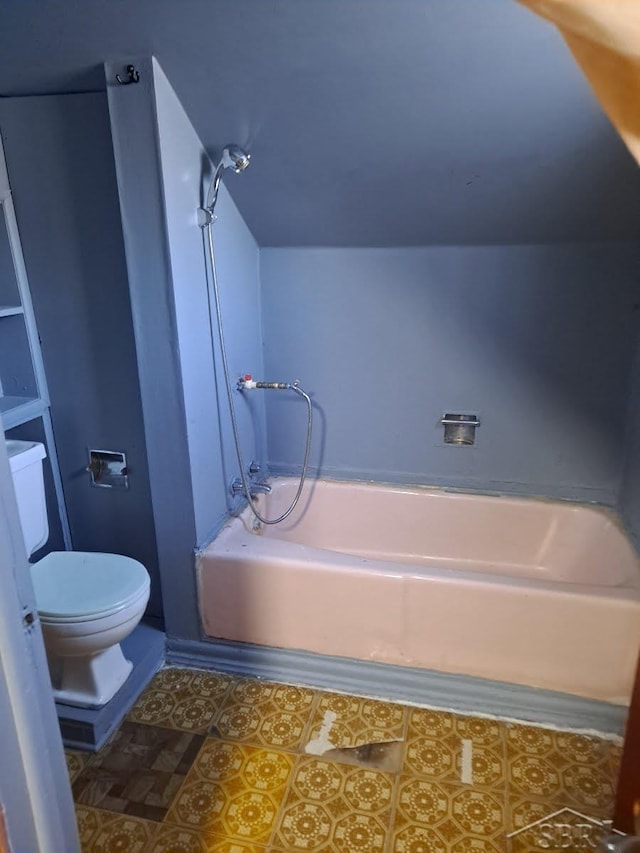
x,y
208,763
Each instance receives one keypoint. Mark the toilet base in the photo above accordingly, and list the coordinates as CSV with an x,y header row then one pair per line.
x,y
89,681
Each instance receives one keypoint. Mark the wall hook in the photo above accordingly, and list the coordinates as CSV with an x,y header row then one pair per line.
x,y
132,74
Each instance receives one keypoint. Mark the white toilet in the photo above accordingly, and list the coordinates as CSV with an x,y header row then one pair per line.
x,y
87,603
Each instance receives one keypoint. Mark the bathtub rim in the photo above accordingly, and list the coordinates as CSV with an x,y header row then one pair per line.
x,y
600,507
608,510
289,552
604,496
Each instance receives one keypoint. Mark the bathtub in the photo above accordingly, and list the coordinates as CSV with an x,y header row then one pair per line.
x,y
531,592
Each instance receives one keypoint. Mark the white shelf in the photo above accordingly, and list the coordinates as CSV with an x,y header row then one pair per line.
x,y
18,410
10,310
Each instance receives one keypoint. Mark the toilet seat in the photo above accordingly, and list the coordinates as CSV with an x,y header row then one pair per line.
x,y
76,586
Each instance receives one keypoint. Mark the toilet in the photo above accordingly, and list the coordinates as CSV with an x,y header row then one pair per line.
x,y
87,603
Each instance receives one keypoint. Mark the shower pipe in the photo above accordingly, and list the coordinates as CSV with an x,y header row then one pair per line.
x,y
235,158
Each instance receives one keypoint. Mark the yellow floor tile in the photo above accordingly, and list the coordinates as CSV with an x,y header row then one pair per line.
x,y
259,769
356,720
233,792
334,807
466,784
440,818
269,715
176,839
107,832
236,815
182,699
562,769
435,749
233,847
249,691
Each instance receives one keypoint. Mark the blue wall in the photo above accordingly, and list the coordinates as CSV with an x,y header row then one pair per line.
x,y
537,340
186,175
60,160
372,122
160,165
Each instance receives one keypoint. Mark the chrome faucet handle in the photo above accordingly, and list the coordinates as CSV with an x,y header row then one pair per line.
x,y
254,468
236,488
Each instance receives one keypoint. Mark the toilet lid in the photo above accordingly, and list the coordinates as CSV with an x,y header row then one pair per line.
x,y
73,584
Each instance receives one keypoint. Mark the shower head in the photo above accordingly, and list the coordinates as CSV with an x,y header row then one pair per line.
x,y
233,157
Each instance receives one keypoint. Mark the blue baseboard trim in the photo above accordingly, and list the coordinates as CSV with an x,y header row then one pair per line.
x,y
400,684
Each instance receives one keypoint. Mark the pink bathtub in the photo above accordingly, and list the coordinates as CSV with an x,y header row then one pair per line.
x,y
530,592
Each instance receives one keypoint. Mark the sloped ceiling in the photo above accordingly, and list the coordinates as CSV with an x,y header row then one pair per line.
x,y
370,122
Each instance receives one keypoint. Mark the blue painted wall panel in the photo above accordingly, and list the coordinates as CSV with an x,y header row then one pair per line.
x,y
160,165
537,340
238,266
134,130
186,174
61,164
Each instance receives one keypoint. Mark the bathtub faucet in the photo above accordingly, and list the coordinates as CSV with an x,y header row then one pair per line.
x,y
254,488
259,489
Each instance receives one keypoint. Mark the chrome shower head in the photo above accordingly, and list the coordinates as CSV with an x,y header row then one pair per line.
x,y
233,157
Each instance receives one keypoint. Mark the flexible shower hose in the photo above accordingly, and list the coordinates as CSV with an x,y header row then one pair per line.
x,y
213,289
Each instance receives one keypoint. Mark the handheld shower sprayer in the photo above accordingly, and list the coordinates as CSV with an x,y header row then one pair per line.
x,y
233,157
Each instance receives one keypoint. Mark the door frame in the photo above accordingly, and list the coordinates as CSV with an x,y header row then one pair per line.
x,y
35,793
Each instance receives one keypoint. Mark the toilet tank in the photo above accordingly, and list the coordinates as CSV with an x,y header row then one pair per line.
x,y
25,460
